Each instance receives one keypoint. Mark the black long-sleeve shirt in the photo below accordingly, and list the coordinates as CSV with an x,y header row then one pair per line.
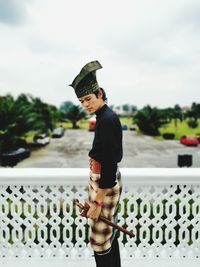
x,y
107,145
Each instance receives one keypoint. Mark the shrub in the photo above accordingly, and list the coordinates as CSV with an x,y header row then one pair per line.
x,y
168,136
192,123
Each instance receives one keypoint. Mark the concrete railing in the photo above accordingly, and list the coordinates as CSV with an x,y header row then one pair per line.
x,y
38,218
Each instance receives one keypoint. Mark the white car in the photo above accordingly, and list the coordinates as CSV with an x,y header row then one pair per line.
x,y
42,139
58,132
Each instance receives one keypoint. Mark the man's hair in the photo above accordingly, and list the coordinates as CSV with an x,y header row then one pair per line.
x,y
104,97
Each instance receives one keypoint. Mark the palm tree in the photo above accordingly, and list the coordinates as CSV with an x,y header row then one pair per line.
x,y
16,118
149,120
48,115
74,114
66,105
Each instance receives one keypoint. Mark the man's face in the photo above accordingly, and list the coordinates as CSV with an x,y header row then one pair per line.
x,y
91,103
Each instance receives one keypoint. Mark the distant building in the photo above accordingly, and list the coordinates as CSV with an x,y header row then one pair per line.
x,y
118,110
124,109
185,109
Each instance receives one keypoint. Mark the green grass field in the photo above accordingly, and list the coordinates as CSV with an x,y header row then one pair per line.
x,y
83,124
181,129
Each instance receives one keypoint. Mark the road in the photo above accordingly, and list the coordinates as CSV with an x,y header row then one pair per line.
x,y
71,151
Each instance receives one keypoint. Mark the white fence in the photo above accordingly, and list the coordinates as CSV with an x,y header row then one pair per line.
x,y
38,218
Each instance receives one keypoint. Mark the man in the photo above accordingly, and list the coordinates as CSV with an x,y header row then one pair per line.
x,y
104,184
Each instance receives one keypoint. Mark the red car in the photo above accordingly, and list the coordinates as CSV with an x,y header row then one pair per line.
x,y
198,136
189,140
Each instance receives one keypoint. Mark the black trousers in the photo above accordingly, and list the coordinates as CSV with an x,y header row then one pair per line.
x,y
110,258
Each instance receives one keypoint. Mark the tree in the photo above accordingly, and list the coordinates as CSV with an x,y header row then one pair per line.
x,y
177,114
168,114
126,108
194,111
129,109
173,113
149,120
17,117
133,108
74,114
48,115
64,109
192,123
65,106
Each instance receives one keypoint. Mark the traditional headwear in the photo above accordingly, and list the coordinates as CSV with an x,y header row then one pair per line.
x,y
85,82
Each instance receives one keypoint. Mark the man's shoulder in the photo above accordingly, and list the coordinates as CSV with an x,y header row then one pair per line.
x,y
108,113
109,116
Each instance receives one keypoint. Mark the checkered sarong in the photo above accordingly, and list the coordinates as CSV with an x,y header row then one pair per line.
x,y
101,235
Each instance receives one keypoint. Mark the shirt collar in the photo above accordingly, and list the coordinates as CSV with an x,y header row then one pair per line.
x,y
100,111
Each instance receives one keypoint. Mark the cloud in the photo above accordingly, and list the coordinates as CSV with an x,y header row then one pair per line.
x,y
189,15
13,12
160,35
149,49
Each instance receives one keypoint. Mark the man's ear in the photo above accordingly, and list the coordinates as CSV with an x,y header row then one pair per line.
x,y
100,93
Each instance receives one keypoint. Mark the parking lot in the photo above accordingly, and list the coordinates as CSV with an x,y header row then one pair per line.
x,y
71,151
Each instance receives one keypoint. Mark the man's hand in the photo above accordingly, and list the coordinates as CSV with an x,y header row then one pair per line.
x,y
94,212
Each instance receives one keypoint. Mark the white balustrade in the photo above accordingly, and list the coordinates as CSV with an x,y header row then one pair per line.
x,y
38,218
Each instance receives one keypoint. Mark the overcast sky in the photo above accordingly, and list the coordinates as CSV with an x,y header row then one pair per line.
x,y
149,49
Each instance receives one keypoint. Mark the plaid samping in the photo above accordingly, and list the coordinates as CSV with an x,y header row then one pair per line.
x,y
101,234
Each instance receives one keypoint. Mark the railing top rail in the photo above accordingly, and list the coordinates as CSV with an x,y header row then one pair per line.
x,y
78,176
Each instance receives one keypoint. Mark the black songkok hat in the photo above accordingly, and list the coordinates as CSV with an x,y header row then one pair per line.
x,y
85,82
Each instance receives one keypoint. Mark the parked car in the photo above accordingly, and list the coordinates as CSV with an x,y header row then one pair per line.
x,y
13,157
189,140
41,139
132,128
124,127
58,132
92,124
198,136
